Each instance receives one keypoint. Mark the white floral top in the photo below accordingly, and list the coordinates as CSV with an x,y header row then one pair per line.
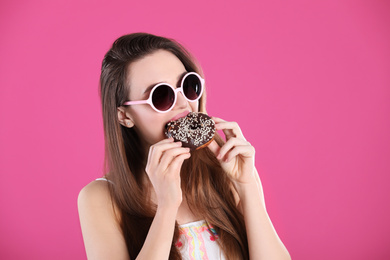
x,y
196,242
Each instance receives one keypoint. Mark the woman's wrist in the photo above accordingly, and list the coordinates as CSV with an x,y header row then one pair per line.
x,y
251,186
250,192
246,189
167,212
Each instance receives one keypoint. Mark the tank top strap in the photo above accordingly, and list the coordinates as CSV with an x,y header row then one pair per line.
x,y
104,179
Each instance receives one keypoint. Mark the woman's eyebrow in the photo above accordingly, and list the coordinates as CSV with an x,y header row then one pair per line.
x,y
149,88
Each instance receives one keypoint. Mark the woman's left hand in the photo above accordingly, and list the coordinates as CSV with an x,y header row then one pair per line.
x,y
237,156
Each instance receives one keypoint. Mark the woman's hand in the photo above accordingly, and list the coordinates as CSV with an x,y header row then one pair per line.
x,y
163,168
237,156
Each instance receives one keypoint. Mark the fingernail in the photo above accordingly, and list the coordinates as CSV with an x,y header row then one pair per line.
x,y
219,157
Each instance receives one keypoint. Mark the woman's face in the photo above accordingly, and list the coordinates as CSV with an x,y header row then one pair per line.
x,y
160,66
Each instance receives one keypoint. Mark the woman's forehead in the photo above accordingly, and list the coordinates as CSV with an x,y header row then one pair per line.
x,y
160,66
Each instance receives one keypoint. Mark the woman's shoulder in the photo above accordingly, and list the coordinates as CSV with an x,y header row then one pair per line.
x,y
100,222
97,190
95,196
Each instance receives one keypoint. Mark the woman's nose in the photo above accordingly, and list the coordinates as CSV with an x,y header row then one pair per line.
x,y
181,101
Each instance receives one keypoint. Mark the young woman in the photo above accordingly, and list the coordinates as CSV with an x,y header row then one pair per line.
x,y
158,200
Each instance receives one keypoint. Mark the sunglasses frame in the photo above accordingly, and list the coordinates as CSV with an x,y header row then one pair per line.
x,y
179,89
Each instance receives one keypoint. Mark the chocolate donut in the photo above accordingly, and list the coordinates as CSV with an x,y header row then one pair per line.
x,y
196,130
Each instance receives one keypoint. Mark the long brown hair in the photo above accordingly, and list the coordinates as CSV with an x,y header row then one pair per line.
x,y
205,186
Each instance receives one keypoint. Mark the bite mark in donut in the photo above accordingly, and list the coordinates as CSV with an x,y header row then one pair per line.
x,y
196,130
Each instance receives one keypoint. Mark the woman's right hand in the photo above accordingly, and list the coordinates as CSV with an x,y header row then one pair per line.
x,y
163,168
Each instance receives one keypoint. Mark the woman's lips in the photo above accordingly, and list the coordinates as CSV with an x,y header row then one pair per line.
x,y
180,115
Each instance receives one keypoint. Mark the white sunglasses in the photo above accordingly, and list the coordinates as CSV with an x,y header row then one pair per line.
x,y
163,96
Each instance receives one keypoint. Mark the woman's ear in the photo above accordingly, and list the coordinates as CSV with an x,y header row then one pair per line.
x,y
124,118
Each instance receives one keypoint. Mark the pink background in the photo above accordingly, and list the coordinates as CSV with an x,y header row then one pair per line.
x,y
308,82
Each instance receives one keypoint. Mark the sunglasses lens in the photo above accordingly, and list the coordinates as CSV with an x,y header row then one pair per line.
x,y
163,97
192,87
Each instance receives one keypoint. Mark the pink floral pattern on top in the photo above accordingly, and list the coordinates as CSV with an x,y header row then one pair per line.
x,y
197,241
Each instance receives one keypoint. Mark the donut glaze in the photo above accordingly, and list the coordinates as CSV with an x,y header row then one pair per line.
x,y
196,130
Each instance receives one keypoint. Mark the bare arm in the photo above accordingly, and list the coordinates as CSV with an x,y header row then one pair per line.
x,y
158,242
102,235
263,241
237,158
